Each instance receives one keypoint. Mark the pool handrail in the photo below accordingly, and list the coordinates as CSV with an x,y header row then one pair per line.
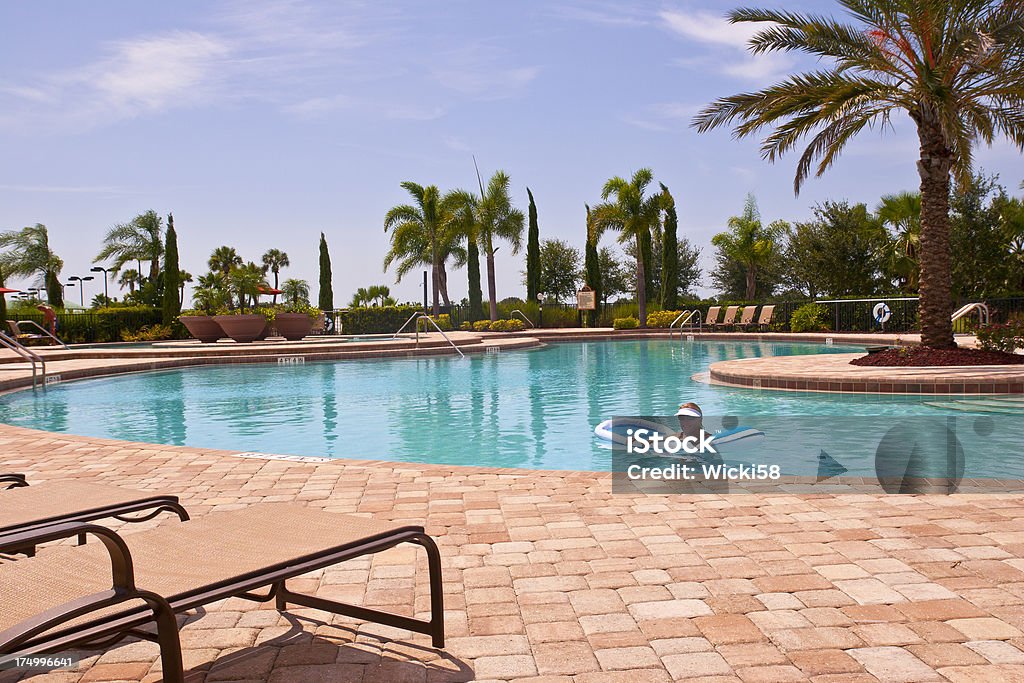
x,y
420,314
42,329
523,316
32,357
686,317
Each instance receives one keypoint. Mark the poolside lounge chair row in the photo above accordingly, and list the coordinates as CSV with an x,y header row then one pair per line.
x,y
746,320
97,593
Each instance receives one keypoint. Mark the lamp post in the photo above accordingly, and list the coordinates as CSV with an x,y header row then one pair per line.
x,y
540,307
81,286
106,273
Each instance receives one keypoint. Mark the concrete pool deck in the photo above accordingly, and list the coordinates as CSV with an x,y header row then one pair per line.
x,y
550,578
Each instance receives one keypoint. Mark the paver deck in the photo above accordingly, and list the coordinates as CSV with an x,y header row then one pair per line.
x,y
549,578
834,373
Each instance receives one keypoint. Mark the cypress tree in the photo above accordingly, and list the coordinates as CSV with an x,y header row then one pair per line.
x,y
669,254
532,253
592,270
646,244
326,286
476,294
171,274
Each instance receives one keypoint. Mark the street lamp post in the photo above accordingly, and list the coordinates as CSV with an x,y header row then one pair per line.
x,y
106,273
81,286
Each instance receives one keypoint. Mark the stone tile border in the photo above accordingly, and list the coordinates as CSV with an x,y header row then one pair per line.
x,y
832,373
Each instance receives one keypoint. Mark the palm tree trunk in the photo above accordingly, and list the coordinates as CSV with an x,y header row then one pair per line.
x,y
935,281
154,269
641,283
436,282
751,282
275,286
444,286
492,289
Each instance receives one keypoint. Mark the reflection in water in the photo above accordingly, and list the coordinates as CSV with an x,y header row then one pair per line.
x,y
516,409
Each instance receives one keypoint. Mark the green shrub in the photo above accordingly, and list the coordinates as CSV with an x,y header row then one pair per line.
x,y
626,323
513,325
444,321
809,318
1006,337
466,326
148,333
376,320
481,325
662,319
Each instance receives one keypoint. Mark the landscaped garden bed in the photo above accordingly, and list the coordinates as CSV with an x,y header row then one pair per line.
x,y
921,356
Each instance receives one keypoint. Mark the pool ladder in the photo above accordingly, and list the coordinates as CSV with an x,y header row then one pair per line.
x,y
416,316
37,362
686,318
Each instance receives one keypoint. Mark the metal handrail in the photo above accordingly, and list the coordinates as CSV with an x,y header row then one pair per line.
x,y
686,317
964,311
416,316
42,329
30,356
523,316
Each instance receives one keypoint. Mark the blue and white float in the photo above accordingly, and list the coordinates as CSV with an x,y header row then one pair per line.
x,y
618,431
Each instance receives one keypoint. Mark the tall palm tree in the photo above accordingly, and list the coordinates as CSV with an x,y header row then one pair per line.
x,y
421,229
274,260
223,260
749,243
496,219
246,282
296,291
633,215
956,67
141,239
184,277
412,248
28,253
902,212
129,278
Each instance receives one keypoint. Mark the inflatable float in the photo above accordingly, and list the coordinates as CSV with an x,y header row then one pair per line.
x,y
617,431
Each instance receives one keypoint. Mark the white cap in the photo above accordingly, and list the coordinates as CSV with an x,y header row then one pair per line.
x,y
689,411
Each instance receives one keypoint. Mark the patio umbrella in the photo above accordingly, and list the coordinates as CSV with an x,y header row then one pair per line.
x,y
8,290
270,291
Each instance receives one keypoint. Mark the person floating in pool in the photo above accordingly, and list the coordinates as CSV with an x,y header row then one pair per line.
x,y
691,420
49,318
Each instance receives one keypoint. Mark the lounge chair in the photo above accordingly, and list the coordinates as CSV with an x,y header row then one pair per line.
x,y
747,318
729,319
767,313
12,481
711,319
65,598
24,507
23,337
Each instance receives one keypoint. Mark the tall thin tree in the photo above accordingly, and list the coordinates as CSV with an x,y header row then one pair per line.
x,y
592,269
172,273
669,253
326,282
532,252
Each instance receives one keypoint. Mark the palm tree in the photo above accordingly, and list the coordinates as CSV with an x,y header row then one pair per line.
x,y
246,281
210,292
296,291
141,239
275,260
954,66
129,278
411,248
902,212
633,216
420,230
381,294
184,277
223,260
29,253
495,218
749,243
360,298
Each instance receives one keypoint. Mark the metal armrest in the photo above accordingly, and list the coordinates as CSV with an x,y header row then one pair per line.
x,y
13,481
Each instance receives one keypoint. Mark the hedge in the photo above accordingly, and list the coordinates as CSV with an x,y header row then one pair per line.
x,y
104,325
377,319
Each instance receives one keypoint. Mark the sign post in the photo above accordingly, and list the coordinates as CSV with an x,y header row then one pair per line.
x,y
586,300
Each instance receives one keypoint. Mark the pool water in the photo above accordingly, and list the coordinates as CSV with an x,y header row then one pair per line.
x,y
526,409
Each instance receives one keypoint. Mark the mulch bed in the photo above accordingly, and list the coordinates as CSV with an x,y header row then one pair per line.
x,y
923,357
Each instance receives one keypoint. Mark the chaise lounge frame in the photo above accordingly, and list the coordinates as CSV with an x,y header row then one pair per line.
x,y
45,633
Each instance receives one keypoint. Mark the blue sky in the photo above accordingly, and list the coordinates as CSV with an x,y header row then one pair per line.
x,y
261,124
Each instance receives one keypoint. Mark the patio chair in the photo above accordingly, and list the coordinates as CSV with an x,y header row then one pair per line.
x,y
729,319
25,337
765,320
711,319
12,481
747,318
65,598
24,508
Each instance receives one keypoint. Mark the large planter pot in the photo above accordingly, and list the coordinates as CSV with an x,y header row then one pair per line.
x,y
202,327
242,328
293,326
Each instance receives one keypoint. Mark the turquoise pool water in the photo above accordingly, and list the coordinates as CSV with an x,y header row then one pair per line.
x,y
528,409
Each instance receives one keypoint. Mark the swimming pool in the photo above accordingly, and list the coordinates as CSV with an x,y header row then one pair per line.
x,y
527,409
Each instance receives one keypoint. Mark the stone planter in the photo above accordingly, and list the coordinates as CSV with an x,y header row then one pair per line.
x,y
202,327
242,328
293,326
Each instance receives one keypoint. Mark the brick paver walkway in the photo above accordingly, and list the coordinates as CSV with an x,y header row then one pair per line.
x,y
549,578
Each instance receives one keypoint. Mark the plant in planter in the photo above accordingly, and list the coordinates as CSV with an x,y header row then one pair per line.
x,y
245,283
295,320
210,295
